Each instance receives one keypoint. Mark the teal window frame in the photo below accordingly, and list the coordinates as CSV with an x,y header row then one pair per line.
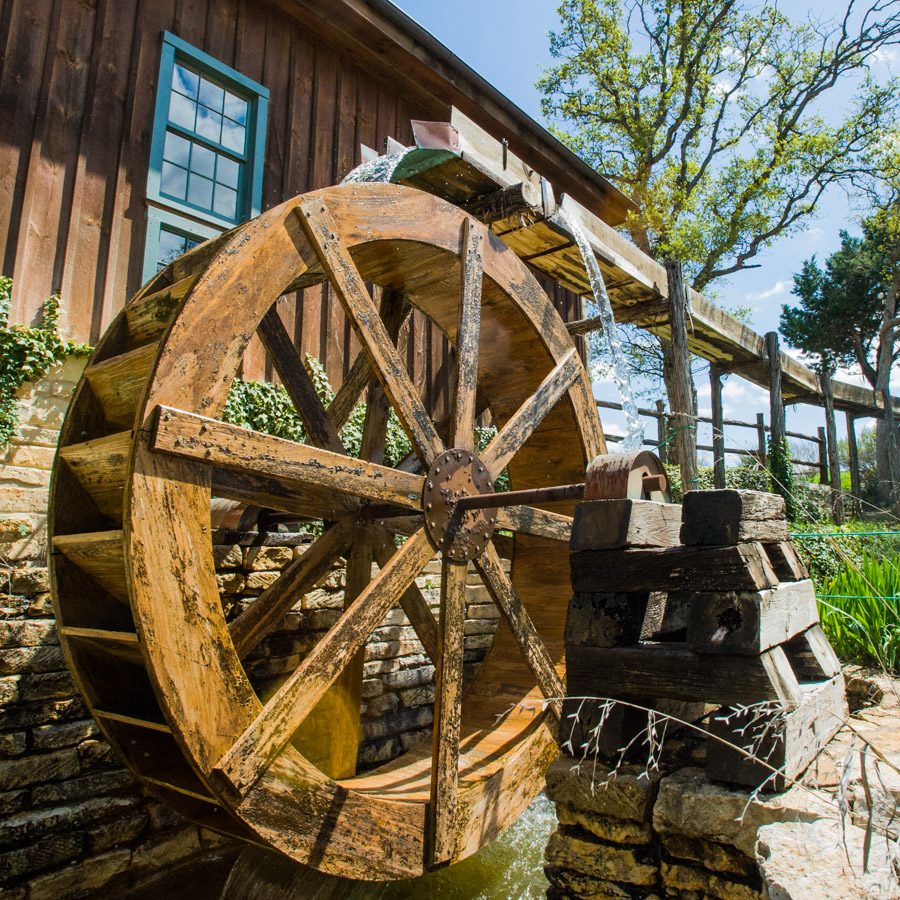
x,y
181,215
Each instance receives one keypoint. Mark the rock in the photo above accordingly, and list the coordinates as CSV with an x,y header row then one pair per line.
x,y
480,626
30,714
12,743
9,689
46,686
372,687
40,855
83,879
690,805
121,831
31,659
260,559
230,582
227,556
167,849
92,785
819,861
482,611
323,599
16,773
607,828
32,824
96,754
63,734
373,753
259,581
29,581
383,705
27,633
410,739
420,696
584,887
712,856
392,725
407,678
628,794
706,884
608,862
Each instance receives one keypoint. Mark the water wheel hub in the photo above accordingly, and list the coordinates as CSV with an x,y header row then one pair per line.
x,y
460,535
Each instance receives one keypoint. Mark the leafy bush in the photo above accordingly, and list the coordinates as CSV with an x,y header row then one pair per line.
x,y
860,611
749,477
27,354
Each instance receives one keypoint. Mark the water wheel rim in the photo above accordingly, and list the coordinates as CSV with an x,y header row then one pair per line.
x,y
209,703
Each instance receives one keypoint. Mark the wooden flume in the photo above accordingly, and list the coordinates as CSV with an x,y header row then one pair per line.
x,y
144,452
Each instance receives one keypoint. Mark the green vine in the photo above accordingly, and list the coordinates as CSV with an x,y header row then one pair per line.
x,y
781,474
27,354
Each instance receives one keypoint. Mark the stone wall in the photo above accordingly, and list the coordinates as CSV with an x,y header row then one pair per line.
x,y
26,463
73,822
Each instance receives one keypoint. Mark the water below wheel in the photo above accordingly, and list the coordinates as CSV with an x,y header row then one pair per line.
x,y
143,450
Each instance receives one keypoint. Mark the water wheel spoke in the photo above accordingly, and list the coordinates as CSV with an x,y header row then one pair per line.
x,y
243,764
447,712
539,522
467,337
413,603
530,414
299,577
298,383
242,450
504,595
389,368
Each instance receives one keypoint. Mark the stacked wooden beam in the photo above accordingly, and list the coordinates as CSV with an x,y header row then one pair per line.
x,y
712,606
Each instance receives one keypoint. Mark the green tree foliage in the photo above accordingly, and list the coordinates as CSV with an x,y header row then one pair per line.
x,y
708,114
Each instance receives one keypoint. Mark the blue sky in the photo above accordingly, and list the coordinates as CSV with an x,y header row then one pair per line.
x,y
506,42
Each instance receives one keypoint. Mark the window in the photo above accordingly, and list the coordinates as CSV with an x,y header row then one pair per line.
x,y
206,156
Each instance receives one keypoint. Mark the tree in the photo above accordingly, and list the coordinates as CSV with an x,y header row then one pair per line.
x,y
708,114
847,316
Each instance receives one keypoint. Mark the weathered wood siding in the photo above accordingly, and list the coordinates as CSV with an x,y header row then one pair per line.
x,y
77,93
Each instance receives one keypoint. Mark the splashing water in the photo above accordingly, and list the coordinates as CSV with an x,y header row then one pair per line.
x,y
381,168
634,429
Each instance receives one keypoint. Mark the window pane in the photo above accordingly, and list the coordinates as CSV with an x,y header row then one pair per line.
x,y
211,95
200,191
185,82
177,149
236,109
203,161
227,171
173,181
209,124
182,111
226,201
233,136
171,246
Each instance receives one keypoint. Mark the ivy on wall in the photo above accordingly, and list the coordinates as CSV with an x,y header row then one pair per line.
x,y
27,354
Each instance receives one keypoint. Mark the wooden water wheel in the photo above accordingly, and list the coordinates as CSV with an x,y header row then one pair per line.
x,y
143,450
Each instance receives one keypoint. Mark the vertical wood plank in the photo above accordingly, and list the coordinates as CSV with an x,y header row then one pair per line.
x,y
718,427
190,21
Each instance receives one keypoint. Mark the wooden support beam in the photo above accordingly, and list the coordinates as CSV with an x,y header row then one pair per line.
x,y
776,403
733,517
468,335
834,462
682,397
855,485
662,447
761,448
621,523
823,456
718,426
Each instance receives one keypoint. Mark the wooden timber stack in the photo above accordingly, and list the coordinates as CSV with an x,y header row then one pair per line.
x,y
711,606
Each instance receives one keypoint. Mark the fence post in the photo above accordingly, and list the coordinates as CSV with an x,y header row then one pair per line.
x,y
823,457
776,404
893,461
855,486
682,400
761,438
661,447
718,426
834,462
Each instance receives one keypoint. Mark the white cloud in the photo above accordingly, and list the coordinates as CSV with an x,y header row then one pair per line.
x,y
780,287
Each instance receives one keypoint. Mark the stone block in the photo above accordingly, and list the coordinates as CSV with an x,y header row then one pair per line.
x,y
379,667
96,754
597,859
395,617
13,801
56,766
30,714
690,805
9,689
716,857
230,582
38,437
391,649
479,641
51,851
27,633
12,744
167,849
408,678
321,619
228,556
410,739
395,633
413,660
566,884
628,794
259,559
388,726
92,785
23,499
482,611
163,818
372,687
479,626
83,879
28,456
41,605
375,752
323,599
418,696
63,734
259,581
32,824
334,580
607,828
31,659
383,705
707,884
47,686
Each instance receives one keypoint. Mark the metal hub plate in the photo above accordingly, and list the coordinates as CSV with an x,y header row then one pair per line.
x,y
455,474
